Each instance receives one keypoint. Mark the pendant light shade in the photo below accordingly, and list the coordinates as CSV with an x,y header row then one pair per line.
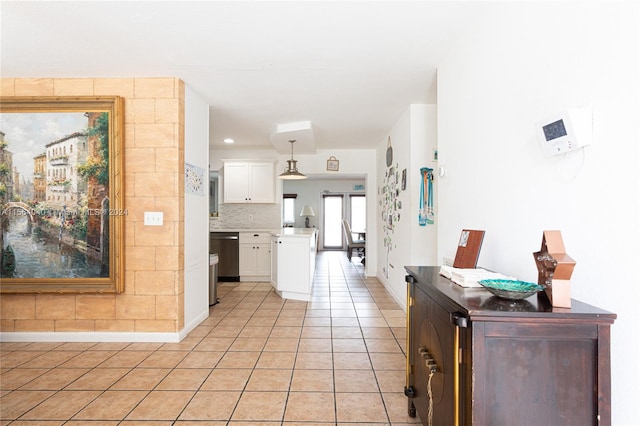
x,y
292,169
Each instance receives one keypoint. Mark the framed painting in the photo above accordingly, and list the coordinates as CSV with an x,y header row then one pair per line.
x,y
61,195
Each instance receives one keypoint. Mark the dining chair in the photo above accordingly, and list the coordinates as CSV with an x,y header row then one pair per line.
x,y
352,244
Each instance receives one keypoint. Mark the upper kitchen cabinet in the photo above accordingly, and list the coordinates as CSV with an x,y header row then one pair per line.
x,y
249,182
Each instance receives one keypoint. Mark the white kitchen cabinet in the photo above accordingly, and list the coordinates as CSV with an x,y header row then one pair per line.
x,y
293,260
249,182
274,261
255,256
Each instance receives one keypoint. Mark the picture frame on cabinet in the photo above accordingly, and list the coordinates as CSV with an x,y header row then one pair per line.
x,y
61,198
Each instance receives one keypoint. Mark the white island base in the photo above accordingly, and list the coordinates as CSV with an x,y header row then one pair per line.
x,y
293,262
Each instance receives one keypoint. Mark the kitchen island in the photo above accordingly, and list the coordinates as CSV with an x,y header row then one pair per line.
x,y
293,262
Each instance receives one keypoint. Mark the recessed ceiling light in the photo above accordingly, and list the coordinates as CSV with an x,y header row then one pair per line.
x,y
228,140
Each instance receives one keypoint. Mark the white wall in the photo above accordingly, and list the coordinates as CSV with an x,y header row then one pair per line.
x,y
520,63
196,219
424,139
413,139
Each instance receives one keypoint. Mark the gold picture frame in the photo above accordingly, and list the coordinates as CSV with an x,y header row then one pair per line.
x,y
62,195
333,165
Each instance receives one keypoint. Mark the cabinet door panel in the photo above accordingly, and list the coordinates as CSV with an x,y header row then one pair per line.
x,y
274,262
554,376
247,260
263,259
293,264
261,183
435,333
236,183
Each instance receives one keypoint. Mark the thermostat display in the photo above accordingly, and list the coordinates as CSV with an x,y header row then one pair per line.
x,y
554,130
566,131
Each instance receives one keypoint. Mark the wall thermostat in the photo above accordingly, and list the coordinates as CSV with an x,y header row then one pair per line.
x,y
566,131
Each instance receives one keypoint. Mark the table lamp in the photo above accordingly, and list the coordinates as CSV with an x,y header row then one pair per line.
x,y
307,211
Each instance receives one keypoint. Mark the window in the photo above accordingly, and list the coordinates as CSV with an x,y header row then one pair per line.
x,y
358,220
289,209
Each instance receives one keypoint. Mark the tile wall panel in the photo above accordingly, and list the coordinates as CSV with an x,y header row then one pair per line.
x,y
154,166
236,216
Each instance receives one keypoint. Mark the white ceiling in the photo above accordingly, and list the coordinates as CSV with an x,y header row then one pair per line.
x,y
350,68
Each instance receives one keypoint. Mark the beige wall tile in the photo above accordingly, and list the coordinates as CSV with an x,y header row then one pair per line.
x,y
96,306
158,184
129,185
143,110
167,258
170,206
180,230
129,282
156,282
115,325
160,135
167,307
74,325
128,112
140,205
7,325
114,86
55,306
155,87
129,238
181,261
135,307
137,206
73,87
140,159
34,87
168,110
181,86
34,325
140,259
181,308
18,306
167,159
129,134
167,326
180,281
164,235
8,87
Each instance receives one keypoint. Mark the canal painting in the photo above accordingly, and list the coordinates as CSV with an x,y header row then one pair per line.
x,y
55,205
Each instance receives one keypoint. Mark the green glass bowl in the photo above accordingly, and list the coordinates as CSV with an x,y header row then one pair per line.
x,y
511,289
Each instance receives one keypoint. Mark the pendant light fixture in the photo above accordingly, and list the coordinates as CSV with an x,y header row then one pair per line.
x,y
292,170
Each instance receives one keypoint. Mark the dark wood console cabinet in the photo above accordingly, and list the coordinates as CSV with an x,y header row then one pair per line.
x,y
497,362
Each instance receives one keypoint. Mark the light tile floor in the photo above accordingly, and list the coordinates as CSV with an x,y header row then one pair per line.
x,y
257,360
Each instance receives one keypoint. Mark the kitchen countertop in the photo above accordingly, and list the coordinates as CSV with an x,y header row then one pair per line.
x,y
281,232
294,232
245,230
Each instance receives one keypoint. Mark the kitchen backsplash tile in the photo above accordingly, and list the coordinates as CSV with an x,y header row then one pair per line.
x,y
236,216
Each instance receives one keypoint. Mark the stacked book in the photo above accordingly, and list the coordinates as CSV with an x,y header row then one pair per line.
x,y
470,277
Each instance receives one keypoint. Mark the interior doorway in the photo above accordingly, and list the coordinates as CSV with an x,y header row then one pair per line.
x,y
335,207
332,211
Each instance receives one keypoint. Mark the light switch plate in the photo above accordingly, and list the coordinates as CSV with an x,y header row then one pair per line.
x,y
153,218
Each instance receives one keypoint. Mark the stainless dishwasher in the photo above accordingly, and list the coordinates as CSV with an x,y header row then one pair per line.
x,y
227,245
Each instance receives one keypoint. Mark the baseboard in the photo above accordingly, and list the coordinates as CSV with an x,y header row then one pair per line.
x,y
88,336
